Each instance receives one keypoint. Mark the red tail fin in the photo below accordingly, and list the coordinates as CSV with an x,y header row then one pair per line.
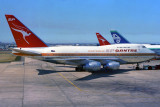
x,y
102,40
22,35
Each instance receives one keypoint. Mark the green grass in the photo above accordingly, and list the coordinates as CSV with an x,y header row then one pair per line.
x,y
7,56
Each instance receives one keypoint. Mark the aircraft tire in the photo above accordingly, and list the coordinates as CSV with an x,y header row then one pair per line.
x,y
137,68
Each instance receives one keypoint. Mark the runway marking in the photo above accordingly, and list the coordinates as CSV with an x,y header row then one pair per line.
x,y
67,79
70,81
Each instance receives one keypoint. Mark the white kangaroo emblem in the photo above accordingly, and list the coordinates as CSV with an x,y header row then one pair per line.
x,y
24,33
102,40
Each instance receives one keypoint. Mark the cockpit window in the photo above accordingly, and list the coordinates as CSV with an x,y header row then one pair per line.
x,y
143,47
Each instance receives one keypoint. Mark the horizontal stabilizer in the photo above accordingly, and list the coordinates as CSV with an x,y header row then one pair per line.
x,y
32,53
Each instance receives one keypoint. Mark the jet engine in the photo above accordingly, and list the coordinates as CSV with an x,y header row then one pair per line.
x,y
112,65
92,66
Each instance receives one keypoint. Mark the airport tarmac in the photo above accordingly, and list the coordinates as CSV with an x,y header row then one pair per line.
x,y
40,84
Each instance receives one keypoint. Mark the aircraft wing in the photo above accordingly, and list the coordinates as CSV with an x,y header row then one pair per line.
x,y
82,61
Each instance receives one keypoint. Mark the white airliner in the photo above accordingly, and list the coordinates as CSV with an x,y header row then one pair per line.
x,y
89,58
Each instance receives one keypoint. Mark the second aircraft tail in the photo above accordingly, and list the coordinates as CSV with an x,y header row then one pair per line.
x,y
102,40
118,38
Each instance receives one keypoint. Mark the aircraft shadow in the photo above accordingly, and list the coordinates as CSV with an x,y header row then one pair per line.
x,y
44,72
93,75
103,73
66,66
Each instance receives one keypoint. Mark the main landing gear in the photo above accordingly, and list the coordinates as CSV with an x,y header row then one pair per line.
x,y
137,66
79,68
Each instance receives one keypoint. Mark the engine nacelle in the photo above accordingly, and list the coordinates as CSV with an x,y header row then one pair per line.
x,y
92,66
112,65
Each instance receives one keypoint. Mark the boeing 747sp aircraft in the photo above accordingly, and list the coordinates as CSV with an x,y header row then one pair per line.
x,y
89,58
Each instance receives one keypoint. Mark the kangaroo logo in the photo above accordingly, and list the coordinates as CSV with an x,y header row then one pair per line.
x,y
116,38
21,30
102,40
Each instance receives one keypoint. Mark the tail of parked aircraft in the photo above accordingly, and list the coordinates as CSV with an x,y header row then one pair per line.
x,y
22,35
118,38
102,40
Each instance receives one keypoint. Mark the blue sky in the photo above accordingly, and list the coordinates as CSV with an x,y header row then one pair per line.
x,y
72,21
